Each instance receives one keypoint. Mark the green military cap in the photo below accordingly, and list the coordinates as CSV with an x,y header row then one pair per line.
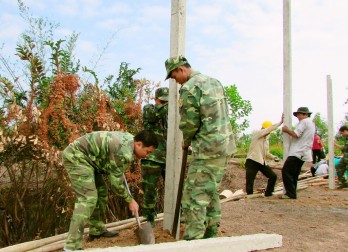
x,y
162,93
173,63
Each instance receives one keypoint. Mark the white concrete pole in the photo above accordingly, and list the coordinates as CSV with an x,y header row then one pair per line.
x,y
330,133
174,139
287,80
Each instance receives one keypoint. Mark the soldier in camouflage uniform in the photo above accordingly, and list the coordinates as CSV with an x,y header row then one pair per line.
x,y
155,118
86,160
342,166
206,126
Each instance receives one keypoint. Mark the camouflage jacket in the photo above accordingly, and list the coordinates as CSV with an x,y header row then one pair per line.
x,y
108,152
155,118
204,118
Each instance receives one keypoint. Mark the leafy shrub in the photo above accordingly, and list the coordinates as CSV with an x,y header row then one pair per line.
x,y
36,198
277,150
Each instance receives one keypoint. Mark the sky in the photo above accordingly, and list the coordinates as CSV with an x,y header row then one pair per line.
x,y
235,41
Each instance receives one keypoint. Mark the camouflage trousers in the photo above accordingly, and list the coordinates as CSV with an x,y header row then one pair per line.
x,y
200,203
151,172
91,198
341,169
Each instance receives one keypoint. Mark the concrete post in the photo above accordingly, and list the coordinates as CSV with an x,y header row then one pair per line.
x,y
287,85
330,133
174,139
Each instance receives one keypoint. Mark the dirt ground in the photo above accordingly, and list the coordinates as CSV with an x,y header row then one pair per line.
x,y
316,221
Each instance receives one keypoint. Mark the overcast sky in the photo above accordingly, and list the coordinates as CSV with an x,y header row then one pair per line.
x,y
236,41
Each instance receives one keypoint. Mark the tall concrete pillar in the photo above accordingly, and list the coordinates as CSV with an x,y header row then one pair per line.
x,y
174,139
287,74
330,133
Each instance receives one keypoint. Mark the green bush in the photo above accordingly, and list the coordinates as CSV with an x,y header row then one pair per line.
x,y
242,163
277,150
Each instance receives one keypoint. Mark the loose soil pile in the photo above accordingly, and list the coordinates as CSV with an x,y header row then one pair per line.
x,y
316,221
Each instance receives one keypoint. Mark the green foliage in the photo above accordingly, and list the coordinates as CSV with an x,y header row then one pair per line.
x,y
125,86
277,150
39,82
123,90
37,122
68,64
242,163
26,52
10,94
94,74
320,127
276,137
240,109
84,108
40,29
243,143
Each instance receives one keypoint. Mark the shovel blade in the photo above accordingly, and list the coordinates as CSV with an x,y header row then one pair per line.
x,y
145,234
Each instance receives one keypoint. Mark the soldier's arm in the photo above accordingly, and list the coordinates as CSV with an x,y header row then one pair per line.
x,y
190,118
117,184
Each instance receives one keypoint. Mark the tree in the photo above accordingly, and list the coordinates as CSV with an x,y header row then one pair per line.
x,y
320,127
276,137
40,114
240,109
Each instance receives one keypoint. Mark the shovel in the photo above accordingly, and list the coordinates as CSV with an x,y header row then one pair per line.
x,y
176,223
144,232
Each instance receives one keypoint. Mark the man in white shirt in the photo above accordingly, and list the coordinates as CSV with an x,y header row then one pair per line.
x,y
300,151
256,158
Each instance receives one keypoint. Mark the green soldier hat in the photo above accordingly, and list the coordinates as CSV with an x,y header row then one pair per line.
x,y
162,93
173,63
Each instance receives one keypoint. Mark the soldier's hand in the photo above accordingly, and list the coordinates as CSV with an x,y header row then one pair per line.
x,y
133,207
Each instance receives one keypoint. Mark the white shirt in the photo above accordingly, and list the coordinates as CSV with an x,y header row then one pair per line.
x,y
301,147
322,169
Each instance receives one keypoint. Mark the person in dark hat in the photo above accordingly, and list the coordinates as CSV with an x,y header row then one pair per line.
x,y
300,151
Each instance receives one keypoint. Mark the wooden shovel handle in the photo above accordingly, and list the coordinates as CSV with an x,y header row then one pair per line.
x,y
138,221
179,195
127,187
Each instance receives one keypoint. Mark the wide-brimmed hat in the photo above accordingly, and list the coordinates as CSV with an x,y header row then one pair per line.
x,y
173,63
162,93
303,110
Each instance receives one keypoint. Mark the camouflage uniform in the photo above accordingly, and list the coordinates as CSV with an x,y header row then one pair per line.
x,y
206,126
342,166
155,118
86,160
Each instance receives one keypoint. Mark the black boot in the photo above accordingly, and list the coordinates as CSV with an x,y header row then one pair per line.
x,y
106,234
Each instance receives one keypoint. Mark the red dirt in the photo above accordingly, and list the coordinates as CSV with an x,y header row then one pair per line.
x,y
316,221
